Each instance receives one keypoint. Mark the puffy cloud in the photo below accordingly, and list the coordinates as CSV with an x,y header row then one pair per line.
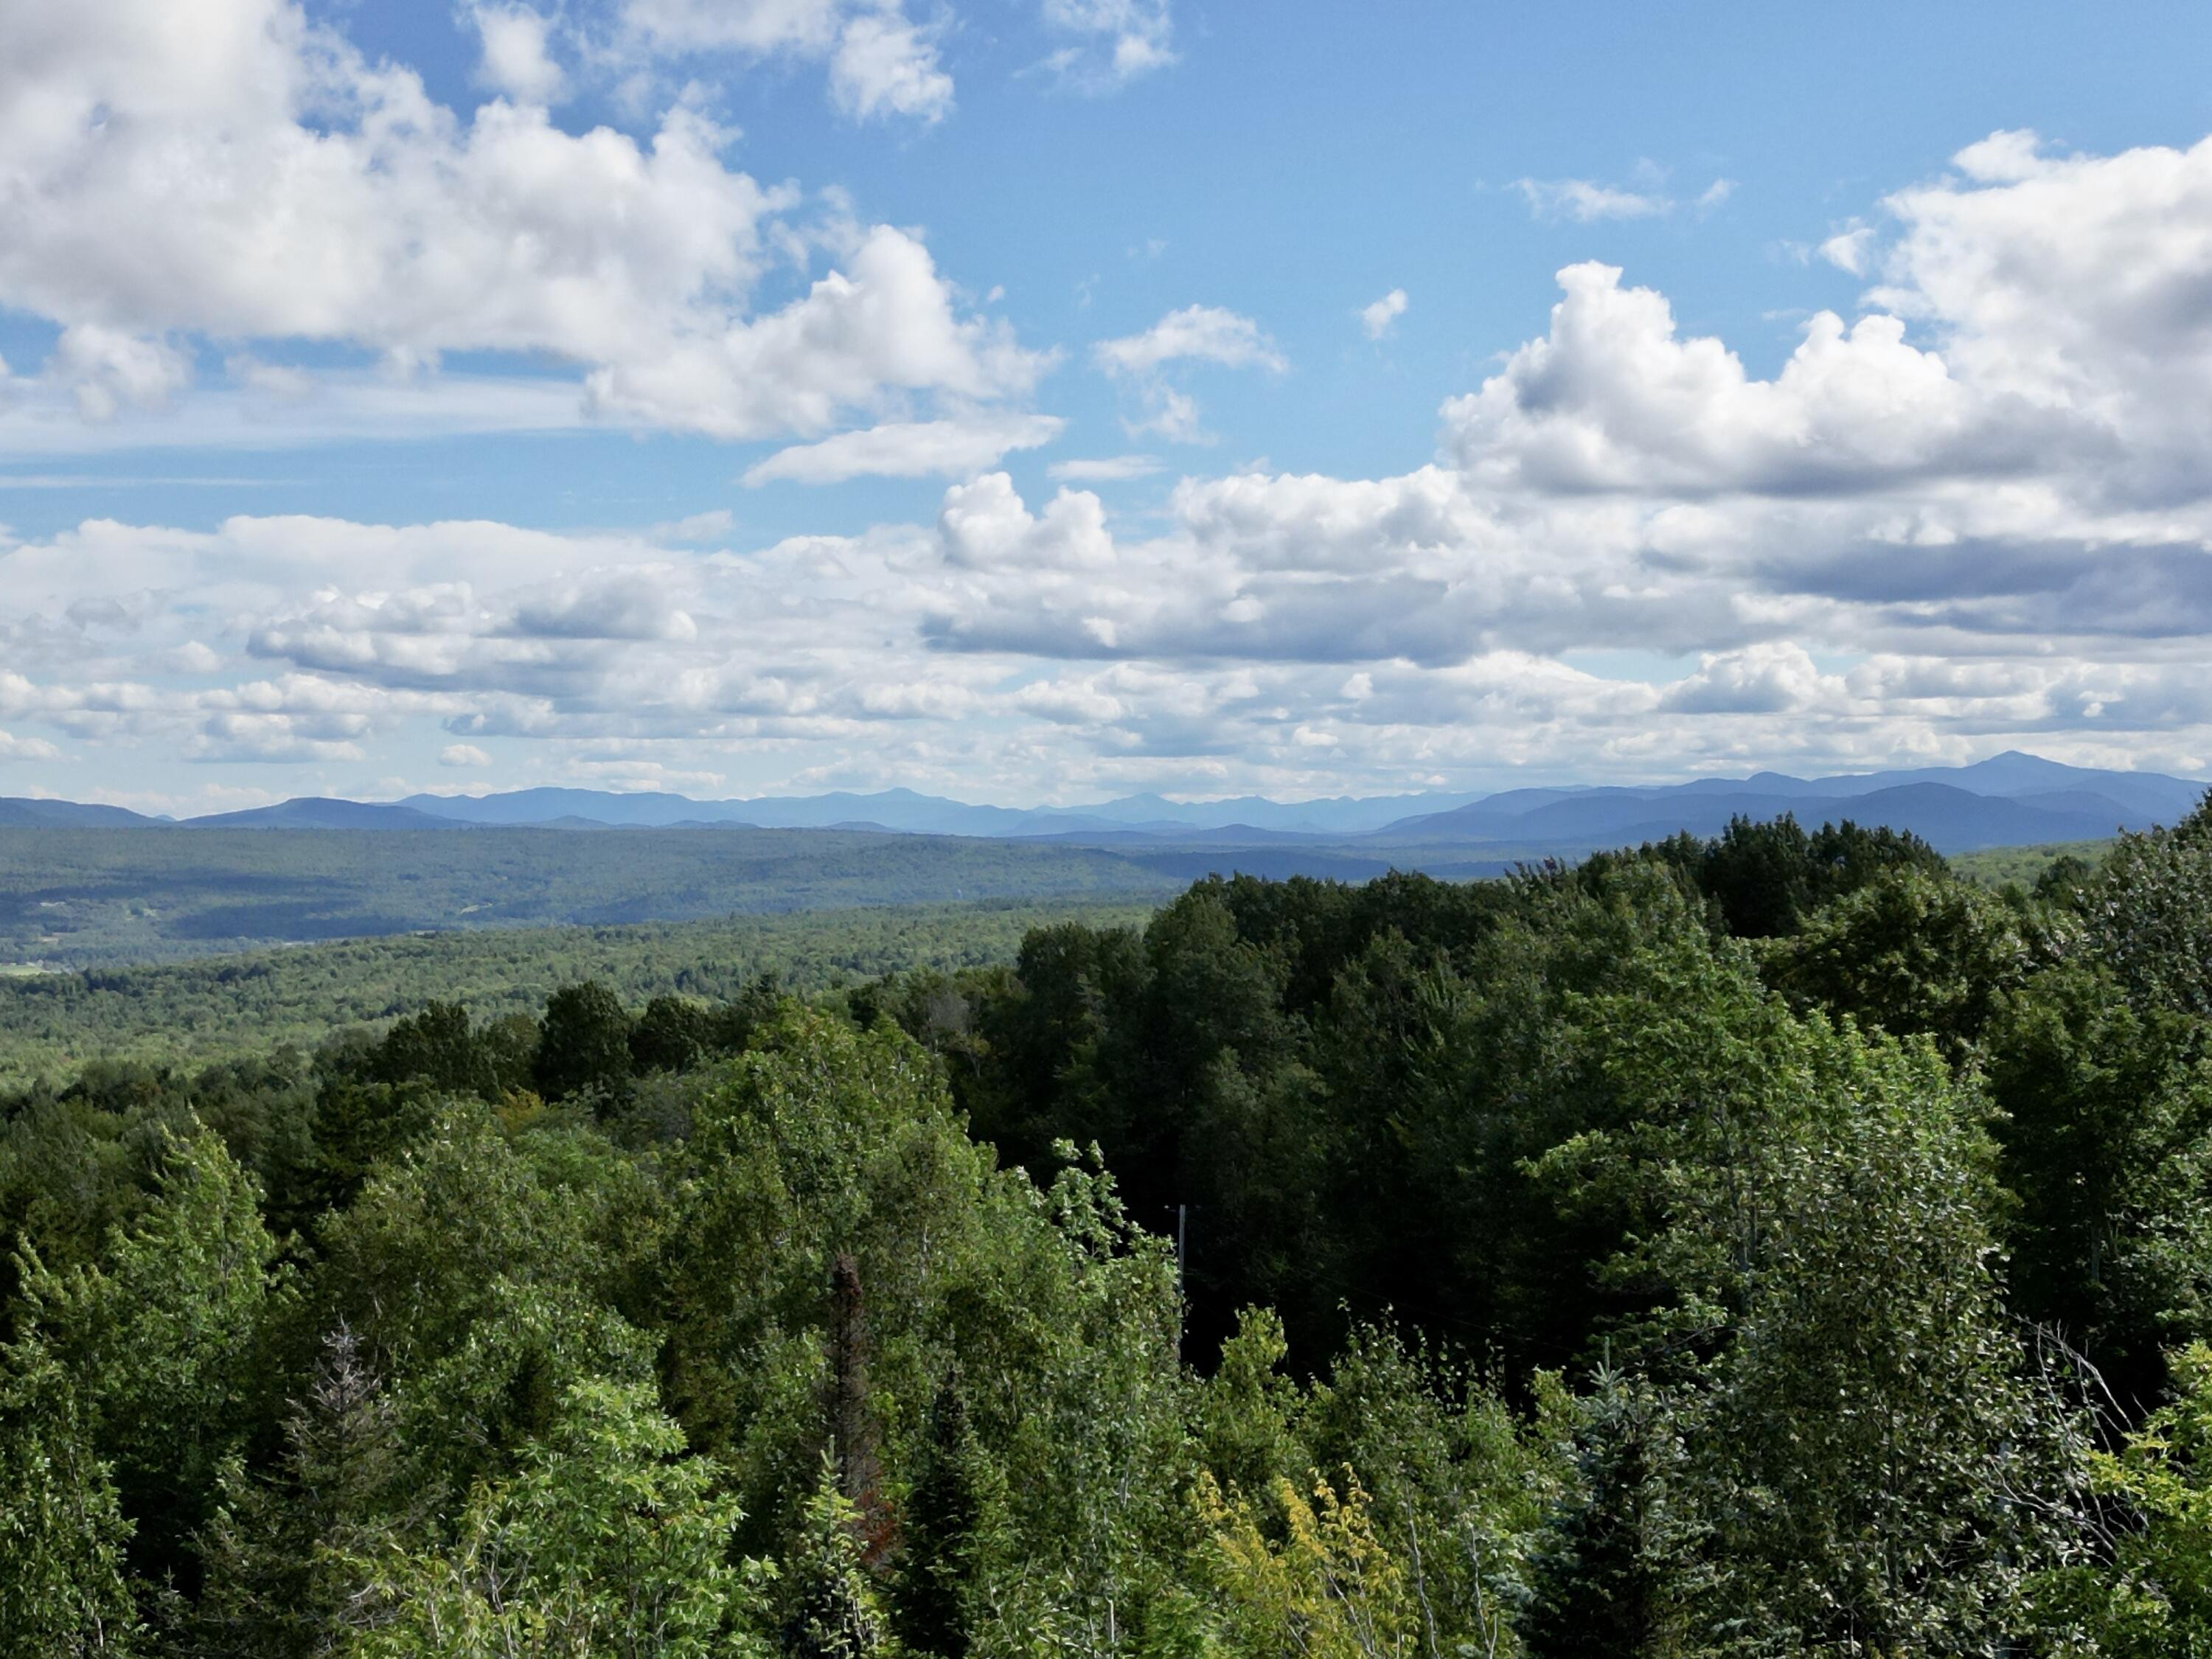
x,y
910,449
884,65
2079,286
13,748
1277,631
107,370
986,524
463,754
2036,316
516,59
191,658
2004,158
888,325
234,170
1377,319
1070,702
1614,399
1972,515
1775,677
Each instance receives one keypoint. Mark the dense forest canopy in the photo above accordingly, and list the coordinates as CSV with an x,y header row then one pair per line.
x,y
208,1009
1759,1245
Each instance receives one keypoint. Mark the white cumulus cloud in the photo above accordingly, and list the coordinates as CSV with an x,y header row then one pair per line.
x,y
517,58
235,170
1973,511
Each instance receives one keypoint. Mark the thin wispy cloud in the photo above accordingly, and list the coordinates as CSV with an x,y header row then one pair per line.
x,y
1378,319
1108,43
1209,334
922,449
1195,334
1581,201
1585,202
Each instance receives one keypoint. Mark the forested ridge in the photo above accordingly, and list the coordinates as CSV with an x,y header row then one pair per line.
x,y
85,897
209,1009
1763,1245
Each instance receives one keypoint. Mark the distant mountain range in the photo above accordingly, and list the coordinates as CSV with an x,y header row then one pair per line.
x,y
2011,799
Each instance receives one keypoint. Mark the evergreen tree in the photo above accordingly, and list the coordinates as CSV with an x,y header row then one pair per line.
x,y
436,1046
585,1043
279,1549
942,1532
1615,1574
672,1035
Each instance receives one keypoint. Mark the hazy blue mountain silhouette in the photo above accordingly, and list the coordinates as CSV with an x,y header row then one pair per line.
x,y
2010,799
18,811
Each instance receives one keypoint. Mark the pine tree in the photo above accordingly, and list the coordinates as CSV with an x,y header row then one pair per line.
x,y
1614,1577
276,1550
584,1045
942,1531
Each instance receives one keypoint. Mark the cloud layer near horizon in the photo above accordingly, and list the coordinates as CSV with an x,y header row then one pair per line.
x,y
1975,513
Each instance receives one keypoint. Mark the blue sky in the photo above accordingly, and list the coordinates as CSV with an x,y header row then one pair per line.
x,y
1041,399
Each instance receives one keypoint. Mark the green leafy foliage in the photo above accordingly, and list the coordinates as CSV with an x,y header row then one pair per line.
x,y
1721,1249
605,1541
62,1589
192,1014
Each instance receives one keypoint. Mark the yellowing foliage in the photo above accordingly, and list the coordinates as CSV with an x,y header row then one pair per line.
x,y
1328,1589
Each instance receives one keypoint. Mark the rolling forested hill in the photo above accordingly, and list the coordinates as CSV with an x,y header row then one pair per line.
x,y
79,895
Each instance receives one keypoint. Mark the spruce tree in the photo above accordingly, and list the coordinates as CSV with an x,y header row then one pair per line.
x,y
942,1531
277,1550
1614,1577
